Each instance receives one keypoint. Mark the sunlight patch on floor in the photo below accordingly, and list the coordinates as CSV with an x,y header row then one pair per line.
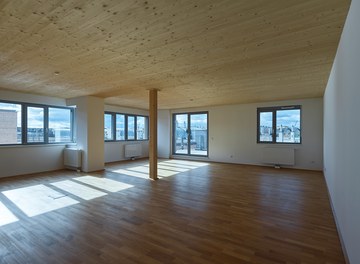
x,y
142,169
171,168
174,165
103,183
78,190
165,168
132,173
166,173
187,163
38,199
6,217
145,169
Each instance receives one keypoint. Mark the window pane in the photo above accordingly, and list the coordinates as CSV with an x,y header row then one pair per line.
x,y
10,123
181,134
120,127
108,132
288,126
131,127
35,124
59,125
141,128
198,135
266,124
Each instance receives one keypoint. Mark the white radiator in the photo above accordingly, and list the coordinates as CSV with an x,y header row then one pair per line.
x,y
132,150
279,156
72,158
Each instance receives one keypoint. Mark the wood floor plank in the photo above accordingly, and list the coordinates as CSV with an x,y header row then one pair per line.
x,y
203,213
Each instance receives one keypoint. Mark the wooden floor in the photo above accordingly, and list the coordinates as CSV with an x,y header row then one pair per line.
x,y
195,213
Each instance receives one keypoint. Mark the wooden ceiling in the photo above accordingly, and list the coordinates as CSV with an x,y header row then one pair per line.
x,y
198,53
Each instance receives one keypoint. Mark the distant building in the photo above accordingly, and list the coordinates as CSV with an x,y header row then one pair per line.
x,y
199,138
8,126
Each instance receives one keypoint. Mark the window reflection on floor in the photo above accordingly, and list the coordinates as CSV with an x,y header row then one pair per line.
x,y
78,190
166,168
39,199
104,183
6,217
132,173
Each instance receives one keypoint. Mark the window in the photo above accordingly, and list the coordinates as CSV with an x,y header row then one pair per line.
x,y
23,123
141,128
108,131
190,134
279,125
60,120
125,127
130,127
10,123
120,127
35,125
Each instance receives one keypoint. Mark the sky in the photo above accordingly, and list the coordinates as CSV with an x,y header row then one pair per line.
x,y
197,120
284,117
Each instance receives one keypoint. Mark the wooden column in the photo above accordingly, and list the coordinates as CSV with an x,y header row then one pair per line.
x,y
153,134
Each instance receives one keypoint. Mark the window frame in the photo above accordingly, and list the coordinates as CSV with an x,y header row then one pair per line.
x,y
127,127
113,114
72,123
274,110
147,128
112,126
21,121
146,125
24,123
45,124
115,138
189,123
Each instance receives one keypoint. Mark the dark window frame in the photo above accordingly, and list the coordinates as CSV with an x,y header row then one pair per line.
x,y
124,115
112,126
274,110
45,124
188,120
127,127
113,114
146,124
24,123
147,127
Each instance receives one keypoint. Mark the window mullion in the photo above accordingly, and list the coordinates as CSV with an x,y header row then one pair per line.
x,y
46,125
274,126
126,128
113,121
135,127
23,124
189,134
72,125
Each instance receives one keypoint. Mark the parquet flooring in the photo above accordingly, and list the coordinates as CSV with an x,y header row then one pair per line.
x,y
195,213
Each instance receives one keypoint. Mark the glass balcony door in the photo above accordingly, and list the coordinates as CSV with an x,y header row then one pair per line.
x,y
190,134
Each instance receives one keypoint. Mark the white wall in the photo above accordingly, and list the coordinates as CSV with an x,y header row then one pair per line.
x,y
114,151
342,134
16,160
232,133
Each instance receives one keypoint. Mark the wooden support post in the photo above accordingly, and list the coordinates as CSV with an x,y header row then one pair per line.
x,y
153,135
